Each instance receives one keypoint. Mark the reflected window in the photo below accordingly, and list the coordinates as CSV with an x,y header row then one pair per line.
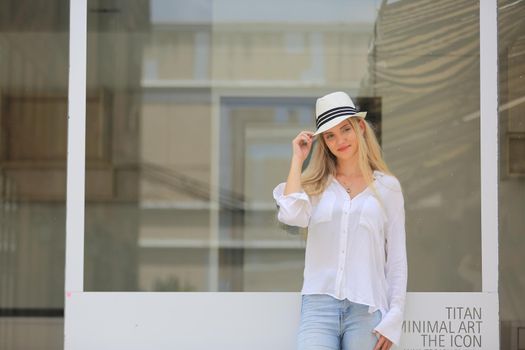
x,y
202,100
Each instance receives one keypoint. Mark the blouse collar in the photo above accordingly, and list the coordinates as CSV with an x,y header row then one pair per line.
x,y
375,175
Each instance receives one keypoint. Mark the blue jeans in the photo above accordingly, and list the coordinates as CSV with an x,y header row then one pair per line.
x,y
330,323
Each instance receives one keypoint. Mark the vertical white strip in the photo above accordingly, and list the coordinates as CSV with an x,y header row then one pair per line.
x,y
489,144
76,139
76,147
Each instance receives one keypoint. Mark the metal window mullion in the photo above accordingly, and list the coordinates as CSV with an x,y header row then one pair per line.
x,y
76,148
489,144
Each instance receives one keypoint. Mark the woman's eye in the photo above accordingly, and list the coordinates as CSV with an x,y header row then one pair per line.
x,y
328,137
347,129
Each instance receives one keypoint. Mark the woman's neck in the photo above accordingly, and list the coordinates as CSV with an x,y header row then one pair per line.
x,y
348,168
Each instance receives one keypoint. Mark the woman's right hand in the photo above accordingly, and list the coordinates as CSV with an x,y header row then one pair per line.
x,y
302,144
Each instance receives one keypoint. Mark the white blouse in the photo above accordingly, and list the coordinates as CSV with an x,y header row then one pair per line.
x,y
355,247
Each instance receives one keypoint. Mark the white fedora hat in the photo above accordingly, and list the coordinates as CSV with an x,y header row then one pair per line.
x,y
332,109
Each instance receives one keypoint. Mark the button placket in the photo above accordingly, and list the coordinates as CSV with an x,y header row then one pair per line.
x,y
343,244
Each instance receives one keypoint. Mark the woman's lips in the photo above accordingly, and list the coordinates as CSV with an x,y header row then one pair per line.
x,y
344,148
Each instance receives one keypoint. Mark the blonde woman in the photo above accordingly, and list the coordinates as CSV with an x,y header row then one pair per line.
x,y
355,275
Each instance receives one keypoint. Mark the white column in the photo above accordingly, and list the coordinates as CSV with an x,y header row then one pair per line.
x,y
76,145
489,144
76,148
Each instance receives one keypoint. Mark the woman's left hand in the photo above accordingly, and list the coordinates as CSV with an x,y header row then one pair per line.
x,y
383,343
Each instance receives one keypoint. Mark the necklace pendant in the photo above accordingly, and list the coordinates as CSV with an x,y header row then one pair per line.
x,y
348,190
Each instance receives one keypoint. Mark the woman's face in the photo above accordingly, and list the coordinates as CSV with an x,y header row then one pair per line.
x,y
342,140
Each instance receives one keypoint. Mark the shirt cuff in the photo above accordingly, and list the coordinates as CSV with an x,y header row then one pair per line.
x,y
391,326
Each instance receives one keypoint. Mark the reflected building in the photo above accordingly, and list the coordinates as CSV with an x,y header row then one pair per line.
x,y
191,109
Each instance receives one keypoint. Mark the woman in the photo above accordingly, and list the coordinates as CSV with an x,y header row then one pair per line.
x,y
355,275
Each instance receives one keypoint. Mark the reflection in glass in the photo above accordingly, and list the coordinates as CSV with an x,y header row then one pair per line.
x,y
196,104
33,139
426,69
511,98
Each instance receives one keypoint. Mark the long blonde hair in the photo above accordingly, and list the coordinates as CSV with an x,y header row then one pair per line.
x,y
323,163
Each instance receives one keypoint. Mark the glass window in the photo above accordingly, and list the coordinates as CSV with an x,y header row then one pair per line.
x,y
511,96
195,104
34,48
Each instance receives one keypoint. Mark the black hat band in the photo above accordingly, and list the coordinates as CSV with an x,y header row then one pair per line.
x,y
334,113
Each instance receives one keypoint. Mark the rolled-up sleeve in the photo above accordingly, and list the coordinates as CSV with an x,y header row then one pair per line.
x,y
396,271
294,208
